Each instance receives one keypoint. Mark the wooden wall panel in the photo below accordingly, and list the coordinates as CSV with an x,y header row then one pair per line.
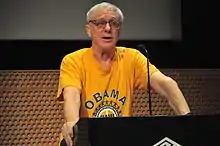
x,y
30,115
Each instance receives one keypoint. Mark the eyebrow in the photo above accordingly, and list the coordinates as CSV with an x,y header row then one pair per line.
x,y
115,19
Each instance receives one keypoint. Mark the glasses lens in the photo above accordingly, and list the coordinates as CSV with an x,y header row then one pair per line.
x,y
101,23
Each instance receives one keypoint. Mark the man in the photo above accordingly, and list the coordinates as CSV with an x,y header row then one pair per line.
x,y
99,81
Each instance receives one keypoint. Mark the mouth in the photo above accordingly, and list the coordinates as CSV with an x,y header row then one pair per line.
x,y
107,38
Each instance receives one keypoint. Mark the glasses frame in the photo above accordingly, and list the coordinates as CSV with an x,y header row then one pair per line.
x,y
110,22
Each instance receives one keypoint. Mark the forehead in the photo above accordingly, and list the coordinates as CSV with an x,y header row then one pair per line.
x,y
104,14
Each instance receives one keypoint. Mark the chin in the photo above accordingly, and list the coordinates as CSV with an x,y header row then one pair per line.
x,y
108,46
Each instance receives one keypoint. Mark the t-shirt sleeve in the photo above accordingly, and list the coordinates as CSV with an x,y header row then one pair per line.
x,y
141,71
70,75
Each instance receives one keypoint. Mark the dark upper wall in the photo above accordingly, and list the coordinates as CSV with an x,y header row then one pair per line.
x,y
48,54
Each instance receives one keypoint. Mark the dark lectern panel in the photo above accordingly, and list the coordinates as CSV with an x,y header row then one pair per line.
x,y
147,131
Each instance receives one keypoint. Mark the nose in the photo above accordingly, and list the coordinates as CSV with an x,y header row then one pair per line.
x,y
107,27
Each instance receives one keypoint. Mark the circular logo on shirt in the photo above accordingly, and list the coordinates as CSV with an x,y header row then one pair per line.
x,y
107,109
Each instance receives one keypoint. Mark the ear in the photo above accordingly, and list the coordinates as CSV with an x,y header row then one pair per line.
x,y
88,32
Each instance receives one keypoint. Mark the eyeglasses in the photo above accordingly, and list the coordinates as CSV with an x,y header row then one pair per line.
x,y
101,23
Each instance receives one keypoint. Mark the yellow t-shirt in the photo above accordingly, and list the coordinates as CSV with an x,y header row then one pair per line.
x,y
105,93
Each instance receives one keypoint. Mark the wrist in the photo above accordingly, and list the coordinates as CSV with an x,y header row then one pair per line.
x,y
72,121
70,124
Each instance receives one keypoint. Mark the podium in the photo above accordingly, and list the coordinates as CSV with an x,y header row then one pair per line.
x,y
192,130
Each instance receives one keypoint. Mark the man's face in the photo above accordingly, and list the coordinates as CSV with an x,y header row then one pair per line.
x,y
104,28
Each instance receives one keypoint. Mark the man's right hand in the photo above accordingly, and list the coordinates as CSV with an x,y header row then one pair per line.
x,y
68,134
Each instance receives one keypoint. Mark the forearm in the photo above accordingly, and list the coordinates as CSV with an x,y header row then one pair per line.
x,y
71,111
175,97
71,106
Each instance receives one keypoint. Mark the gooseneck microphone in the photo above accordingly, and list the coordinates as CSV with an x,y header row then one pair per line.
x,y
144,51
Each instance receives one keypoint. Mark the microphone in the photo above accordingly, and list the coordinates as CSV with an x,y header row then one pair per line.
x,y
144,51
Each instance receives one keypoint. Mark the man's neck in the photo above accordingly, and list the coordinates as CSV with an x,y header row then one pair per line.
x,y
103,56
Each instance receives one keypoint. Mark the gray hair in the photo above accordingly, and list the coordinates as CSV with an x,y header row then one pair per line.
x,y
105,6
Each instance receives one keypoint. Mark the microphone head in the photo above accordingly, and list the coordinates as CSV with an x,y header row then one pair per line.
x,y
142,49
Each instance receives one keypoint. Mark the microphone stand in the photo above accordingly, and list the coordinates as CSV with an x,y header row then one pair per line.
x,y
143,48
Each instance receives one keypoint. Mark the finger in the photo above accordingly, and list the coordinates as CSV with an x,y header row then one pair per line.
x,y
68,140
69,137
71,133
65,136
